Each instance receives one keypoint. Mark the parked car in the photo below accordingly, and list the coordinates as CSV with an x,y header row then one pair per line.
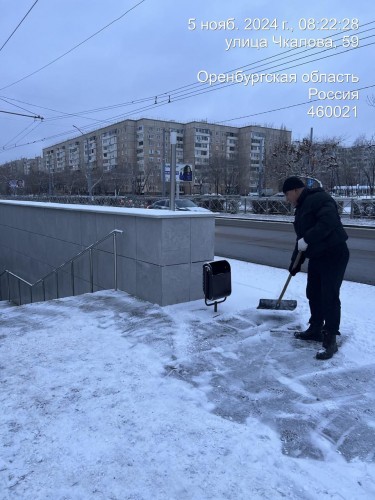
x,y
181,204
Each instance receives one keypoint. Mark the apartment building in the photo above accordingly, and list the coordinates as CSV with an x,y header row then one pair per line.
x,y
23,166
357,169
139,150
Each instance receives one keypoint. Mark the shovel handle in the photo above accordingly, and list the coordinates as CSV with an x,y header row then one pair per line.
x,y
297,259
295,264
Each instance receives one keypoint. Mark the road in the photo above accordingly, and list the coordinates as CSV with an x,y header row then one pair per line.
x,y
271,243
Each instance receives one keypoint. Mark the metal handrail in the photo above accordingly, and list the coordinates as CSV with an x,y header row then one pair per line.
x,y
70,262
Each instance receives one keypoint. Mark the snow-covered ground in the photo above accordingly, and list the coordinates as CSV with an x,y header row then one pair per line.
x,y
104,397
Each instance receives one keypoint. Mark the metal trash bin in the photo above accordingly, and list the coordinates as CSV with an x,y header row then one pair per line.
x,y
217,284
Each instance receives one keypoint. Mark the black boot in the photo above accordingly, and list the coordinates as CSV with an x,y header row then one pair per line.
x,y
314,332
329,345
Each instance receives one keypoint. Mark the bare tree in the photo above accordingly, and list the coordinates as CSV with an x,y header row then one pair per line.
x,y
75,181
118,179
214,171
231,176
316,159
221,174
145,178
37,182
5,177
365,153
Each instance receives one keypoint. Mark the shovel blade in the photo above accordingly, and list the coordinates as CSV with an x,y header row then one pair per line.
x,y
278,305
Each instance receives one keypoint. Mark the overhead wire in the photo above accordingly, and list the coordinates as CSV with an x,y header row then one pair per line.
x,y
285,107
202,89
18,25
20,114
62,116
171,94
224,85
178,94
23,133
218,87
63,134
187,94
73,48
167,98
15,105
287,54
79,114
181,96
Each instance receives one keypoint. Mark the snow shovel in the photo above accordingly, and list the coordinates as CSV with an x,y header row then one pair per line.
x,y
282,305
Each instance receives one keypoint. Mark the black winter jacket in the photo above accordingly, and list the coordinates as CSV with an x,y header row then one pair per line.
x,y
317,220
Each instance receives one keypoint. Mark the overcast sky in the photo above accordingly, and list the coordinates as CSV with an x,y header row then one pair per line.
x,y
149,53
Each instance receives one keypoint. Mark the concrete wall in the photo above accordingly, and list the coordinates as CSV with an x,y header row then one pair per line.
x,y
160,253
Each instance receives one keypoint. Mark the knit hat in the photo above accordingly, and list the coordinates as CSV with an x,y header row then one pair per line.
x,y
292,183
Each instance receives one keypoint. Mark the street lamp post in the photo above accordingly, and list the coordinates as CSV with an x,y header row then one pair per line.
x,y
163,167
261,167
49,179
371,177
173,141
88,166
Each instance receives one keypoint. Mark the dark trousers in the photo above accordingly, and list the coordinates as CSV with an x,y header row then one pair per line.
x,y
324,278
